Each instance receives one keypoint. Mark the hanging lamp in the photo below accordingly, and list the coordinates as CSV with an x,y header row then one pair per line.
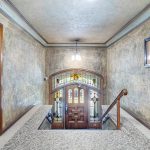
x,y
76,56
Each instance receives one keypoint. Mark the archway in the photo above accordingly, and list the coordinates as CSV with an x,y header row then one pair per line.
x,y
76,96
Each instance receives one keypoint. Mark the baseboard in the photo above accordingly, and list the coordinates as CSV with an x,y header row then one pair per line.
x,y
137,118
21,115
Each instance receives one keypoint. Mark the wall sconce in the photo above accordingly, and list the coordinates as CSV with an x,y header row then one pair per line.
x,y
45,78
147,52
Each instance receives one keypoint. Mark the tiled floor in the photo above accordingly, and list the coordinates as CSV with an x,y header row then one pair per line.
x,y
29,137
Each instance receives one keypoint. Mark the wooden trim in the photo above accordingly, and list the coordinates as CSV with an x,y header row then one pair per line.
x,y
60,87
118,114
77,70
136,117
101,90
50,90
1,68
21,115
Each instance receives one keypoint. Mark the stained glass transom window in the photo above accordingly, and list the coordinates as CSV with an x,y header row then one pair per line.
x,y
75,77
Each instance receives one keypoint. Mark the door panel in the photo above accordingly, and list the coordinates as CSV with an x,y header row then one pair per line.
x,y
76,107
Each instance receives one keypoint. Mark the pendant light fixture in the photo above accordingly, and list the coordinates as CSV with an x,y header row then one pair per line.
x,y
76,56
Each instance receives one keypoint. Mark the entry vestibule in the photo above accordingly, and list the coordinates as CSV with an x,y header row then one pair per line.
x,y
76,96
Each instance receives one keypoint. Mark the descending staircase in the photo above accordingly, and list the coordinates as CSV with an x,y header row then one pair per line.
x,y
106,122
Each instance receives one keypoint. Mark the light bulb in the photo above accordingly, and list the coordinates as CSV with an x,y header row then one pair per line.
x,y
78,57
73,57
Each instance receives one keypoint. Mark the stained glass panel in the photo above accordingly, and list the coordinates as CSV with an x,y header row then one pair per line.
x,y
58,106
76,77
82,96
94,106
76,95
70,96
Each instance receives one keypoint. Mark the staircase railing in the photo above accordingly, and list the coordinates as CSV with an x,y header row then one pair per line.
x,y
117,100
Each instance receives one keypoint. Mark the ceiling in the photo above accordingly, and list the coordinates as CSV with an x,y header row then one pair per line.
x,y
92,21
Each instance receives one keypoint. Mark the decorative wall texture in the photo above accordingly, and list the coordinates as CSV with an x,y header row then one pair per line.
x,y
23,72
125,69
59,58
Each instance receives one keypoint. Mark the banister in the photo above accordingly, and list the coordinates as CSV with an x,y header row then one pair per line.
x,y
117,100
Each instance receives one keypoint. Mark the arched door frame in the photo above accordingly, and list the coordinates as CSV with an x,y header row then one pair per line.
x,y
101,90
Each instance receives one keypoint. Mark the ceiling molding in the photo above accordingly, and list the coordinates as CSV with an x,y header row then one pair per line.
x,y
74,45
131,25
13,14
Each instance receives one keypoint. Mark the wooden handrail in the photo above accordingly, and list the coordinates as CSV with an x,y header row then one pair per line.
x,y
117,100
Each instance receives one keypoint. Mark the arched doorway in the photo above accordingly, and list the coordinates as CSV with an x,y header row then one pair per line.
x,y
76,96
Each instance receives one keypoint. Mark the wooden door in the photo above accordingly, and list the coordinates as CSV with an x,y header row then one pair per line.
x,y
76,107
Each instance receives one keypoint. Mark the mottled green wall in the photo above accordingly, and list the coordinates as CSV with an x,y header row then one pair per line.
x,y
125,69
23,72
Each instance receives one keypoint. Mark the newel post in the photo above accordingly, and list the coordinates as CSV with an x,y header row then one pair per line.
x,y
118,113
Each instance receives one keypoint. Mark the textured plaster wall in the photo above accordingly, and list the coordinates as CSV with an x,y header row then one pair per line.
x,y
23,72
59,58
125,69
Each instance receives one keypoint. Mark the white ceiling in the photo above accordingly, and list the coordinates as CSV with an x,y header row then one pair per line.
x,y
92,21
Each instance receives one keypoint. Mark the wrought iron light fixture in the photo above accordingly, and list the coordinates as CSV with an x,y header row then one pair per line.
x,y
76,56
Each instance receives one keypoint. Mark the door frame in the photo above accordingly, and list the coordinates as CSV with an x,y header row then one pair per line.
x,y
100,90
51,91
1,68
85,103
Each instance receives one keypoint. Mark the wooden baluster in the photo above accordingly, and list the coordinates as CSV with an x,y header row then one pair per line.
x,y
118,114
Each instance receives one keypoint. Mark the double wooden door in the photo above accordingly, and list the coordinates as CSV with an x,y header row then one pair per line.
x,y
76,109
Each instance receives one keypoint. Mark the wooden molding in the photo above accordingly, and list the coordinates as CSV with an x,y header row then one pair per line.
x,y
1,68
77,70
21,115
140,18
101,90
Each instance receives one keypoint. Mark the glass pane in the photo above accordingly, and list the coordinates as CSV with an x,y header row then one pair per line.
x,y
148,52
94,104
58,105
70,96
82,96
76,95
75,77
91,109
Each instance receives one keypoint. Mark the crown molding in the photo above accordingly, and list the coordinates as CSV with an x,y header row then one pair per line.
x,y
7,9
140,18
79,45
12,14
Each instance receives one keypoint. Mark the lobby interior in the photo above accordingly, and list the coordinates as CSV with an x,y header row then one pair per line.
x,y
75,74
